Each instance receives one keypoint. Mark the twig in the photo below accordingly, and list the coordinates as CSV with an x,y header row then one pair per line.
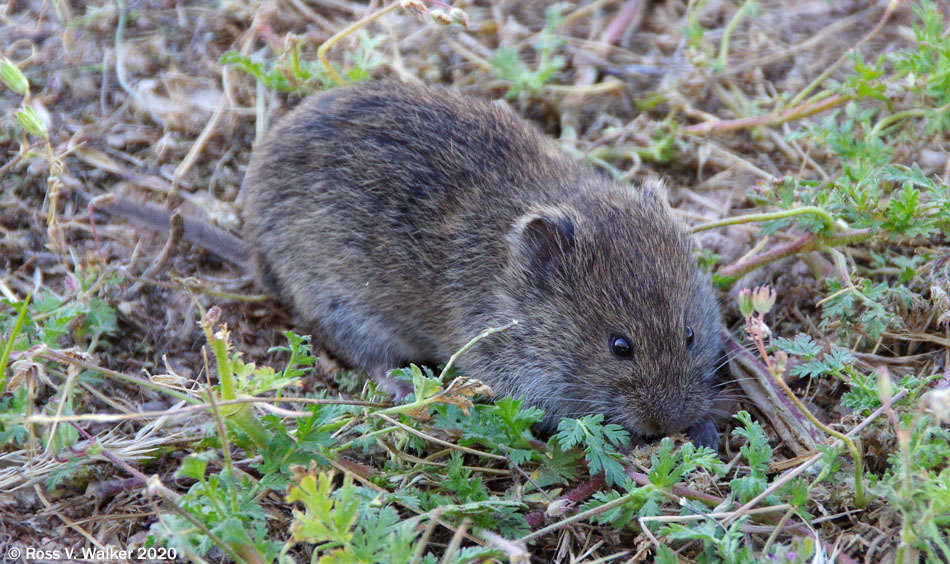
x,y
329,43
524,474
175,231
578,517
123,14
120,417
821,78
43,352
470,344
432,439
642,479
103,199
572,498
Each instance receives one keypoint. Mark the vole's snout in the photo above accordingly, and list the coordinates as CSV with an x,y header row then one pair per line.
x,y
662,425
665,413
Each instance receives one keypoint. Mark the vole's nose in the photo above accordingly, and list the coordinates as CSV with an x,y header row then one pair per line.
x,y
662,418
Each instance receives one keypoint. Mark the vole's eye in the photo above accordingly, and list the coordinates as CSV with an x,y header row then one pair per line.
x,y
621,346
689,337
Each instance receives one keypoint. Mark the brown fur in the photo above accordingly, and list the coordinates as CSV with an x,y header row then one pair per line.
x,y
400,221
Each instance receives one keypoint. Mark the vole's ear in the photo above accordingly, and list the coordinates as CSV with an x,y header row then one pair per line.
x,y
654,193
542,239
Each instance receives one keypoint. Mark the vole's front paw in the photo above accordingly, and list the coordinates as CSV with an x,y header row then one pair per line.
x,y
395,387
704,433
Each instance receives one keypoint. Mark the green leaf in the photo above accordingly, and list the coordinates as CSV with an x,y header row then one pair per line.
x,y
194,465
801,345
599,442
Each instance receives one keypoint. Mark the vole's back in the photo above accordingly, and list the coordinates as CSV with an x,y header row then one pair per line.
x,y
396,199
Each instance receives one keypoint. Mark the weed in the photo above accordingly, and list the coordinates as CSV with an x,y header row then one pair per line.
x,y
509,66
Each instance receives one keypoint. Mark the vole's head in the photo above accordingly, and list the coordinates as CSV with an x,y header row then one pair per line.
x,y
616,317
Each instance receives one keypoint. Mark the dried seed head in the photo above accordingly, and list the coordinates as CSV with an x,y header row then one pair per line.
x,y
459,16
417,6
758,330
440,17
781,361
558,507
937,402
885,388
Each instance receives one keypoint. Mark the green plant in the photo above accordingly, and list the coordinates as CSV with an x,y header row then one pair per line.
x,y
753,306
600,443
917,483
79,324
289,73
844,208
508,65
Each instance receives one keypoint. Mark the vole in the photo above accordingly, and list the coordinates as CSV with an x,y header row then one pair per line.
x,y
399,221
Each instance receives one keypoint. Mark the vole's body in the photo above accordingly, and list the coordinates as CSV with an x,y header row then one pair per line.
x,y
400,221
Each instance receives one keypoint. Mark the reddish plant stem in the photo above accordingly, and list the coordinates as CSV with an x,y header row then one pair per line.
x,y
535,519
642,479
804,244
621,21
804,110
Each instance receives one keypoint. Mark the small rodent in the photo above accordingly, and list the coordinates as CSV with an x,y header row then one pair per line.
x,y
400,221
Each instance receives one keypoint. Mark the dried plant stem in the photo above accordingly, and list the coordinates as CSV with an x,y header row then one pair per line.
x,y
800,107
642,479
175,232
435,398
579,517
122,13
140,415
470,344
440,442
59,356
